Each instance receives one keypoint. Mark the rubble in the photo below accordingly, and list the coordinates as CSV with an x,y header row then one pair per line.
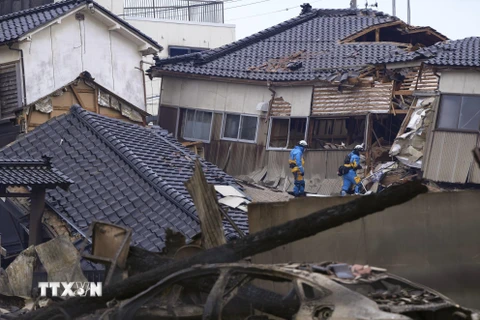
x,y
241,248
409,146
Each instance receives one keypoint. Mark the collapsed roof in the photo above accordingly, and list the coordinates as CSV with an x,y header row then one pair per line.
x,y
123,174
316,45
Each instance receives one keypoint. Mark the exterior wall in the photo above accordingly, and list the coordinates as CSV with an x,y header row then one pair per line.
x,y
450,157
213,95
178,33
7,55
431,240
58,54
300,99
184,34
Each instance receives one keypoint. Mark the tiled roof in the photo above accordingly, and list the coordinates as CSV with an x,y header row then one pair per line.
x,y
31,172
123,173
456,53
14,25
312,38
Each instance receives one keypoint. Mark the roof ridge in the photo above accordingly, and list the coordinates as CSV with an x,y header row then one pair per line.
x,y
143,170
209,55
39,8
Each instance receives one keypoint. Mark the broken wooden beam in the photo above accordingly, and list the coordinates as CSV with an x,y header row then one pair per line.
x,y
253,244
205,199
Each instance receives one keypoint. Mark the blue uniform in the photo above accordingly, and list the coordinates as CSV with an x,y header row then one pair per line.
x,y
297,164
351,177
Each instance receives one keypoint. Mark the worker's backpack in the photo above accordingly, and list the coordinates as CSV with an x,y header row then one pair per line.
x,y
342,170
347,159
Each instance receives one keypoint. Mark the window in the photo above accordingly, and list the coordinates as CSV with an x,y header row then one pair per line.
x,y
240,127
178,51
197,125
285,133
10,91
459,113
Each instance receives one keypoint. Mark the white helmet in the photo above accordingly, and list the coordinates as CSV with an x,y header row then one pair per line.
x,y
303,143
358,147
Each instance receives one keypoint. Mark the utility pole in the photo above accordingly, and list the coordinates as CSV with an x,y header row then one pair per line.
x,y
408,12
394,8
353,4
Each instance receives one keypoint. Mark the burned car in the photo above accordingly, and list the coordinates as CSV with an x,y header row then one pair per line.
x,y
289,291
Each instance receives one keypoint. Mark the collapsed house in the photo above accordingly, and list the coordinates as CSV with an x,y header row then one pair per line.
x,y
443,123
43,50
123,174
252,100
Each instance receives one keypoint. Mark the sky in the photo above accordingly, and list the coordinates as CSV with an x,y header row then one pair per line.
x,y
456,19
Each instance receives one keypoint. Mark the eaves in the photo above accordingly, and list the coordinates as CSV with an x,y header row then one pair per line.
x,y
118,24
180,75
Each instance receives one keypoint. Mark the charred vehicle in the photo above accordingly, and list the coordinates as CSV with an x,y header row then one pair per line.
x,y
289,291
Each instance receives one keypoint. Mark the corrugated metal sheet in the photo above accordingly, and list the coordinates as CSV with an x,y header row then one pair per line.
x,y
450,157
358,100
9,92
428,80
280,107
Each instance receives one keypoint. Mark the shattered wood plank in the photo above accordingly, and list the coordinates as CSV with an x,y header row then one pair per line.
x,y
253,244
20,272
205,200
61,260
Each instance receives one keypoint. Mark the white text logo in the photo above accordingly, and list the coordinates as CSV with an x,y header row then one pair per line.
x,y
71,289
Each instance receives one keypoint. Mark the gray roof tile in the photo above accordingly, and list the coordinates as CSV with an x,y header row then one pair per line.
x,y
120,191
459,53
318,33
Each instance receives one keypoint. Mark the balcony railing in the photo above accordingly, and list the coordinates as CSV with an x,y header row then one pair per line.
x,y
185,10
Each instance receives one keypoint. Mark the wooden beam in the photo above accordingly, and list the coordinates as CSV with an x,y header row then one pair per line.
x,y
403,93
15,195
367,30
36,213
95,101
377,35
77,96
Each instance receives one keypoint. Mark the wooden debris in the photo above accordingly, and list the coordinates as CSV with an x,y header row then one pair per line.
x,y
20,272
61,260
205,199
253,244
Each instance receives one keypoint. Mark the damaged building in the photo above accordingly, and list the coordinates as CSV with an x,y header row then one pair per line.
x,y
69,52
444,120
251,101
122,174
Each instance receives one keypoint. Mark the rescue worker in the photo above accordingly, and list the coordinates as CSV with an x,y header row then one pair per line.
x,y
297,164
351,178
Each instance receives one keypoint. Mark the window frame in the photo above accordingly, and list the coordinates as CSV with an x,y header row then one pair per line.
x,y
288,135
182,129
438,111
184,48
224,120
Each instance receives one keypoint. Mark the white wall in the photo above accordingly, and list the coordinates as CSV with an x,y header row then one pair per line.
x,y
466,82
179,33
231,97
58,54
300,99
213,95
183,33
7,55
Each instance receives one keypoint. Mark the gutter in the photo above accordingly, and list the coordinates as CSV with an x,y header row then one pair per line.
x,y
24,89
274,93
